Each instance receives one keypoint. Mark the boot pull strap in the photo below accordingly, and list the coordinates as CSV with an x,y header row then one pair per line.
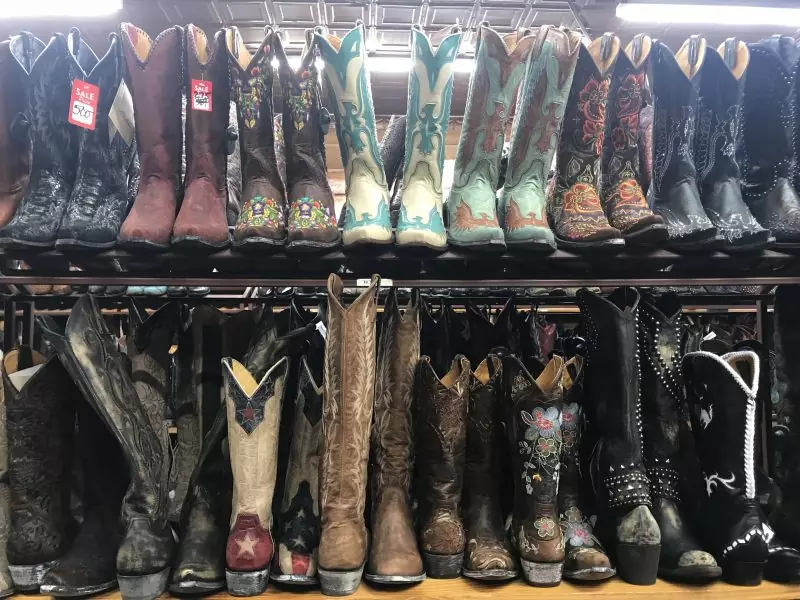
x,y
25,358
636,47
694,54
606,45
74,41
27,49
730,53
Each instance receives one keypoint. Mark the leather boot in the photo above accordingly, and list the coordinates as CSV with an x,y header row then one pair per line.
x,y
441,437
485,334
366,219
106,157
537,124
40,404
487,554
768,152
15,141
721,392
311,223
660,333
202,222
155,80
435,335
346,419
392,148
6,583
89,353
49,85
574,209
431,90
533,408
393,555
718,123
623,200
625,522
673,192
584,556
500,64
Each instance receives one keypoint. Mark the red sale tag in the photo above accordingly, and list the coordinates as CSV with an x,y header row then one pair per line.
x,y
201,95
83,104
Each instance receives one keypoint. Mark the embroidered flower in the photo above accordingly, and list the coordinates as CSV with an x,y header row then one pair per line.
x,y
578,535
592,103
545,527
259,211
546,446
581,198
573,514
541,422
308,213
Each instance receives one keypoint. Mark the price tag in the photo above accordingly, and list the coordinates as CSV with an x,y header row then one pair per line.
x,y
323,331
201,95
385,282
83,104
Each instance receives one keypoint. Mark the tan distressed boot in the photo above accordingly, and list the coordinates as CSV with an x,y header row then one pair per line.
x,y
394,557
346,422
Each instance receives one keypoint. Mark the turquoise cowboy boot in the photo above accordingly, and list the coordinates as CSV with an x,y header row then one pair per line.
x,y
537,125
500,64
366,218
430,90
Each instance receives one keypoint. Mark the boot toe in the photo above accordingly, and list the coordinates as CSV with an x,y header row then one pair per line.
x,y
696,558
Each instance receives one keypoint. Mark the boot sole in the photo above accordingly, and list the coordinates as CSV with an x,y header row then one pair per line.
x,y
743,573
590,574
638,563
137,245
692,574
294,579
652,235
7,593
411,238
27,578
367,241
443,566
196,587
533,246
696,242
751,244
255,244
490,246
15,244
541,574
339,583
61,591
394,579
143,587
609,245
247,583
306,247
490,574
71,244
198,244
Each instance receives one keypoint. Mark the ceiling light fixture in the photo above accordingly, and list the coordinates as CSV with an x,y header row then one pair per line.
x,y
731,14
9,9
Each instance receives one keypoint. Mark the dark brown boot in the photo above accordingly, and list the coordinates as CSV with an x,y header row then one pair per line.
x,y
202,221
155,81
15,145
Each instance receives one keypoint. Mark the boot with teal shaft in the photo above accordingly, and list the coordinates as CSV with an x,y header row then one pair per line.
x,y
500,63
366,219
430,90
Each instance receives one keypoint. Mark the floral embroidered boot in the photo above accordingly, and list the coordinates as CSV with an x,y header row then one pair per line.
x,y
312,223
366,219
500,63
537,125
262,219
574,209
430,93
620,190
585,559
533,407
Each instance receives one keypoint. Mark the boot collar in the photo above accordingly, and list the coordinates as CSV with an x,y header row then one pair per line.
x,y
26,48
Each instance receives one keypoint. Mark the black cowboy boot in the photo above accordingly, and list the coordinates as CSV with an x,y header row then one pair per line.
x,y
106,157
625,522
660,332
722,398
768,152
673,191
718,122
393,146
435,335
487,334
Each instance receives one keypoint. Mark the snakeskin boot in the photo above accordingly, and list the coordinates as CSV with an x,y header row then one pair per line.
x,y
6,583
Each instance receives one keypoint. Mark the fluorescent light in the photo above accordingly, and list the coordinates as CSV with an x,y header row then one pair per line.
x,y
58,8
731,14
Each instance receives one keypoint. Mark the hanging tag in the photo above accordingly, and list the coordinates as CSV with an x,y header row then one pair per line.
x,y
323,331
709,336
83,104
120,116
201,95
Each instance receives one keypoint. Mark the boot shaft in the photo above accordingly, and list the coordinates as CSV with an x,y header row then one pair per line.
x,y
484,430
15,145
569,486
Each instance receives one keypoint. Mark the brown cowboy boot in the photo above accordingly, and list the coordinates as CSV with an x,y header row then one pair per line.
x,y
347,416
15,144
155,79
393,556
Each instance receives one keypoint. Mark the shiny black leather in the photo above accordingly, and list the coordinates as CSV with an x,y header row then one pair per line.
x,y
783,564
393,155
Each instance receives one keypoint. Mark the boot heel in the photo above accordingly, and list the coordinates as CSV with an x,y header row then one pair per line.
x,y
339,583
542,574
143,587
743,573
28,578
443,566
246,583
638,563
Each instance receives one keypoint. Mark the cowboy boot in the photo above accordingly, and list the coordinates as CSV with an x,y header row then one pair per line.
x,y
155,80
52,175
392,150
533,408
768,152
660,334
673,192
500,64
485,335
366,219
718,122
435,335
487,554
721,392
39,403
393,555
574,208
106,157
430,87
89,353
537,125
312,220
625,522
622,196
15,141
6,583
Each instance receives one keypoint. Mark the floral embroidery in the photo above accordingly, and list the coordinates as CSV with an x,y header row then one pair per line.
x,y
261,212
541,423
307,213
629,104
541,446
570,421
577,530
249,96
545,527
301,98
592,103
581,198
